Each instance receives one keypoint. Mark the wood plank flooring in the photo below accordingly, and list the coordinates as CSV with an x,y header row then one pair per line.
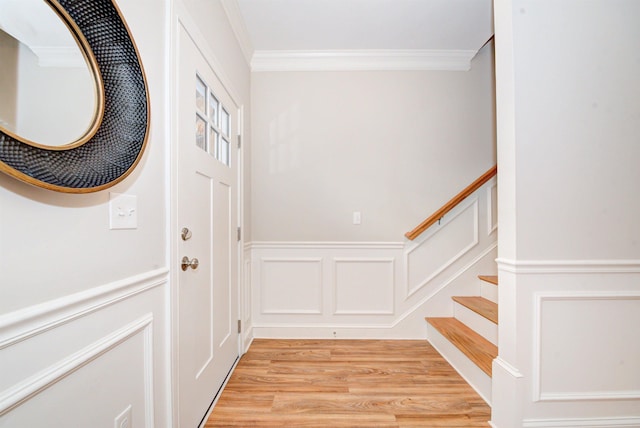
x,y
346,383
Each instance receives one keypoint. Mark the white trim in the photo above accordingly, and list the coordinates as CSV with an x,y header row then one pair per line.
x,y
23,391
490,213
232,9
26,323
313,245
568,266
538,394
476,239
360,60
513,372
618,422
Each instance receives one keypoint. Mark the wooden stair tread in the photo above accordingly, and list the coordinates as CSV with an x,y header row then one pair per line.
x,y
475,347
480,305
493,279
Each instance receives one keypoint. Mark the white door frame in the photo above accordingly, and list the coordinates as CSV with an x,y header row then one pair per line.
x,y
178,16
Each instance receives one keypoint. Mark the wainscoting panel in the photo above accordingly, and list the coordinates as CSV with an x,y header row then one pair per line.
x,y
438,250
371,289
84,359
291,285
575,341
596,322
363,286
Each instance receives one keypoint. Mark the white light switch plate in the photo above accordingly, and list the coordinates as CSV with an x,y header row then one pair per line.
x,y
356,217
123,211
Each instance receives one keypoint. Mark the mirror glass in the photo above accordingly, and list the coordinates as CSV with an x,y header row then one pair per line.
x,y
47,91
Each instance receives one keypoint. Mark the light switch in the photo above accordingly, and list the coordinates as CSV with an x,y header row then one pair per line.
x,y
123,211
356,217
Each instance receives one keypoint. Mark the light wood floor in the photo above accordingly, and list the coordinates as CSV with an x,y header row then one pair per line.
x,y
346,383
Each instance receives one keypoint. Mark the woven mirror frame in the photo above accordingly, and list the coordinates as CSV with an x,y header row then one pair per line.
x,y
113,146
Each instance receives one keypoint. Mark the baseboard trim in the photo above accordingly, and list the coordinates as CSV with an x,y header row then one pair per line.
x,y
29,322
318,331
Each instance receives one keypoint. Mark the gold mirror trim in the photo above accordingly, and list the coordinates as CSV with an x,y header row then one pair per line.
x,y
113,145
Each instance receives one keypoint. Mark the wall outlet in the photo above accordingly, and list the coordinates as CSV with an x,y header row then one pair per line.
x,y
123,211
123,420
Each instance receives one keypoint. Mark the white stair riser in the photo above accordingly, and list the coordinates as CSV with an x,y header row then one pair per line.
x,y
474,376
489,291
476,322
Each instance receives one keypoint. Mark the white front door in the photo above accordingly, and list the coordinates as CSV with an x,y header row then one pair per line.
x,y
207,307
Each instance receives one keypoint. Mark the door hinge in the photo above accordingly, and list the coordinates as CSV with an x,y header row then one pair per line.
x,y
239,233
239,326
239,141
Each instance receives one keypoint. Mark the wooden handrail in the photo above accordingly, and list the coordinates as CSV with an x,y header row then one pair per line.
x,y
452,203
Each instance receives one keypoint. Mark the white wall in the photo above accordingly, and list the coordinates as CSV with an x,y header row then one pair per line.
x,y
74,292
393,145
568,104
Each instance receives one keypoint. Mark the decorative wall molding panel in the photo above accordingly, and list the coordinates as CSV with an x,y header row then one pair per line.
x,y
442,246
363,286
291,285
28,388
370,289
575,312
112,335
588,317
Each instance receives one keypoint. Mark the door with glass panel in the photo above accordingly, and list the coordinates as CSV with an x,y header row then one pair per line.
x,y
207,217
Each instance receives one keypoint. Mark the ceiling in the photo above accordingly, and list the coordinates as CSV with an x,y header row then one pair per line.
x,y
321,25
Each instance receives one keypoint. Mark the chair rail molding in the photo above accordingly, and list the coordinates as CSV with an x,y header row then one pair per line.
x,y
25,323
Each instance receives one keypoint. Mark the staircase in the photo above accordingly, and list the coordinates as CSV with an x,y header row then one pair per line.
x,y
469,339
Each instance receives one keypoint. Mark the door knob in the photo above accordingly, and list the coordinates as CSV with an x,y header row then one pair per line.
x,y
186,263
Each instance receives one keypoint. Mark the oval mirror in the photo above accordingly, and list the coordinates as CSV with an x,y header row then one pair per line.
x,y
116,136
42,64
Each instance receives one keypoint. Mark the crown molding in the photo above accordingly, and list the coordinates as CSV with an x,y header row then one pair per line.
x,y
361,60
232,9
